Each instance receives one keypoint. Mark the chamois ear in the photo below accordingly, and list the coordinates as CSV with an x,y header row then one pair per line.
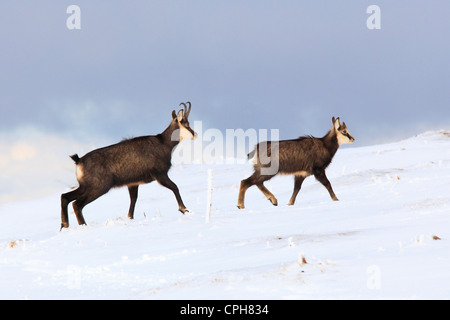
x,y
174,115
336,123
180,115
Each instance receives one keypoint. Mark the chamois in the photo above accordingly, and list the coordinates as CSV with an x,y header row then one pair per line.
x,y
300,157
128,163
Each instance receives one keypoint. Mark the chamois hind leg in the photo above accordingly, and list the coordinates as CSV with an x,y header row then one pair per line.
x,y
66,198
165,181
89,195
255,179
245,184
297,186
267,193
133,190
322,178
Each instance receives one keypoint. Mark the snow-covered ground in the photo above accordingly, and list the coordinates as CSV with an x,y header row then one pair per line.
x,y
387,237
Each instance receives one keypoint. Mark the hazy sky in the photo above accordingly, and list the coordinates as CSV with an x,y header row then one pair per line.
x,y
245,64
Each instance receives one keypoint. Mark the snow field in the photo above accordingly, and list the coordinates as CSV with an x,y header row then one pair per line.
x,y
387,237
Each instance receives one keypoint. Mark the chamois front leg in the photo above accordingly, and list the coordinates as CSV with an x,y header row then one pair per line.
x,y
133,190
322,178
165,181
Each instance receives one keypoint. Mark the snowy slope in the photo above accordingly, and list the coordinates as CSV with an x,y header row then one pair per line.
x,y
387,237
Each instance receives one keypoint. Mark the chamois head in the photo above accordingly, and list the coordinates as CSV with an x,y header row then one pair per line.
x,y
184,130
341,130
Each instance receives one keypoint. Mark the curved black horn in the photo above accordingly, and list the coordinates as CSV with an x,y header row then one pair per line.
x,y
186,109
189,109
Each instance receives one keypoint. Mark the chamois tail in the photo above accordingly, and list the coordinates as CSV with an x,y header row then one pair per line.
x,y
75,158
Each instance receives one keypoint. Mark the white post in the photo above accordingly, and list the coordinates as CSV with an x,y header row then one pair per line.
x,y
209,202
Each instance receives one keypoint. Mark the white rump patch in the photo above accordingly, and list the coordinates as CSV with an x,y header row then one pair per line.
x,y
79,172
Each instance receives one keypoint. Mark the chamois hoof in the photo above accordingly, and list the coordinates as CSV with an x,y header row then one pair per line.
x,y
241,206
64,226
274,201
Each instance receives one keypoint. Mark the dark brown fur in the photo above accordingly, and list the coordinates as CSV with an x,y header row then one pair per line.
x,y
128,163
300,157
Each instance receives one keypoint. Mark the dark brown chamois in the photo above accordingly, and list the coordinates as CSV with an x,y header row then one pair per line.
x,y
300,157
128,163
